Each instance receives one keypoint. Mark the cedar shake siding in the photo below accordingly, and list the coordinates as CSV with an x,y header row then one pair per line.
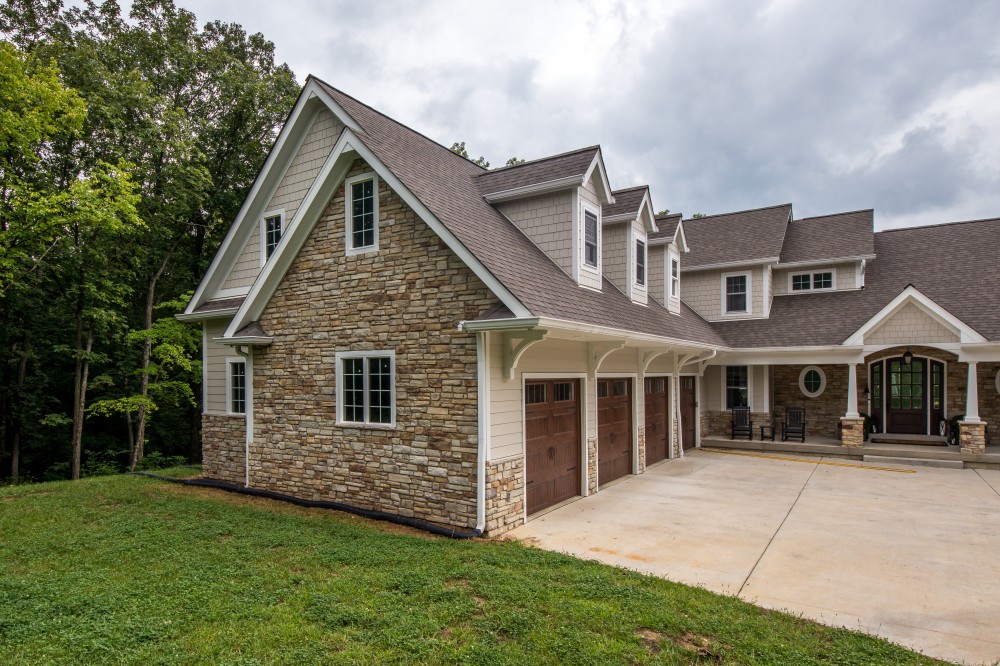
x,y
547,220
408,298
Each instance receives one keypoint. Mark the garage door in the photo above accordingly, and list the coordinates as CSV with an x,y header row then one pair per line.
x,y
657,426
552,425
614,429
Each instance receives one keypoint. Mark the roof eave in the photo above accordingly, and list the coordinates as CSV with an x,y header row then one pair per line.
x,y
730,264
535,189
210,314
818,262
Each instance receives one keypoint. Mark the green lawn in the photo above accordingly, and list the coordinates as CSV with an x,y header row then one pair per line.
x,y
129,569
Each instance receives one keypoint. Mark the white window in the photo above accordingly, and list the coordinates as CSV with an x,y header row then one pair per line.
x,y
236,386
812,281
361,218
270,233
366,388
591,239
812,381
675,276
640,261
736,293
737,386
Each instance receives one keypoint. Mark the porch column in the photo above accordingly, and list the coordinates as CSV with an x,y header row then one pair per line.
x,y
972,395
852,391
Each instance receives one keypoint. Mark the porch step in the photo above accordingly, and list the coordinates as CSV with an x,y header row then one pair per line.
x,y
917,440
920,462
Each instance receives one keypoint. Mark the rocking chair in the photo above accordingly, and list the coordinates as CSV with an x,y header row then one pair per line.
x,y
741,423
794,424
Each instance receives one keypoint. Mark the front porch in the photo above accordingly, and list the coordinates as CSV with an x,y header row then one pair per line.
x,y
831,447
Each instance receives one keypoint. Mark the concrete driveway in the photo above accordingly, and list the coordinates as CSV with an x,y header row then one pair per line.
x,y
911,554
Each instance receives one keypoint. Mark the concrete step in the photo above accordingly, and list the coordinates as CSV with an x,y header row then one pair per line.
x,y
917,462
908,440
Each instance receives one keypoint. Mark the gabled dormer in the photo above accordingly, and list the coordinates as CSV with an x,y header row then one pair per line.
x,y
557,202
666,246
828,253
626,225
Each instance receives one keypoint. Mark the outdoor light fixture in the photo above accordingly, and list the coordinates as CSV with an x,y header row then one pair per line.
x,y
866,393
908,357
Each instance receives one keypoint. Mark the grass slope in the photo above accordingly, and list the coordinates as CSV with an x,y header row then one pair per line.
x,y
133,570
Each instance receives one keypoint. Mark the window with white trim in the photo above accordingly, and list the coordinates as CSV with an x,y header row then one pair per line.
x,y
736,293
361,217
236,386
366,388
812,381
737,386
675,277
812,281
591,242
272,233
640,261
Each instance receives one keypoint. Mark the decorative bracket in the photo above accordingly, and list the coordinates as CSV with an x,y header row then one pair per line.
x,y
647,356
515,343
598,351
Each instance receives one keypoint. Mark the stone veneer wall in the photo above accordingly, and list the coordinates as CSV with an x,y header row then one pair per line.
x,y
720,424
223,448
591,465
823,413
504,495
407,297
989,399
642,449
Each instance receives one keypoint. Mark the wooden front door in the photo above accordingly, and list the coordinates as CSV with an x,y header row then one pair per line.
x,y
614,429
657,419
906,396
689,412
552,442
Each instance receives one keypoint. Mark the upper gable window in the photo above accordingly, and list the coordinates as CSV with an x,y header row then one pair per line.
x,y
271,227
590,240
640,261
818,281
675,277
362,213
736,293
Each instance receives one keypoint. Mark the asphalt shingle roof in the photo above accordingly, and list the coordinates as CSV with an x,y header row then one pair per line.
x,y
626,201
746,236
666,227
452,188
830,237
569,164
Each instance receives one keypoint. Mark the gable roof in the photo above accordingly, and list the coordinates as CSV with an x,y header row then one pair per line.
x,y
451,189
830,237
732,239
901,262
627,202
571,166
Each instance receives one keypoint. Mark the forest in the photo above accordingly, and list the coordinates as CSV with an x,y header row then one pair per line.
x,y
127,145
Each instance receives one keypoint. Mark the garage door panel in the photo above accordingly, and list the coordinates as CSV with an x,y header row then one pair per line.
x,y
552,442
614,429
657,403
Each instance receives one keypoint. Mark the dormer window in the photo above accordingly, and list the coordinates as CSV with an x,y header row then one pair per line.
x,y
675,277
271,232
590,238
362,214
640,261
813,281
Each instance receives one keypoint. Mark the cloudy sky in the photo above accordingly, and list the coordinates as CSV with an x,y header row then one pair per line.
x,y
717,105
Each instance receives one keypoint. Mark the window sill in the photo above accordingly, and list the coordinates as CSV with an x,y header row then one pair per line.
x,y
366,426
362,250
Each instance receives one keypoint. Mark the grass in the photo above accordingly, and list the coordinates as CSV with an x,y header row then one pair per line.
x,y
128,569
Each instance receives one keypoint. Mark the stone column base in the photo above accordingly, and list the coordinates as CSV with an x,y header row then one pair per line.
x,y
591,465
972,437
853,432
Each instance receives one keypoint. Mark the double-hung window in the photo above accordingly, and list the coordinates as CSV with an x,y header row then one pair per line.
x,y
737,386
590,240
366,388
362,214
640,261
736,293
272,233
675,277
236,386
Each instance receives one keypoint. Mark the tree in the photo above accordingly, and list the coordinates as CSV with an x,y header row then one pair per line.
x,y
514,161
663,213
459,149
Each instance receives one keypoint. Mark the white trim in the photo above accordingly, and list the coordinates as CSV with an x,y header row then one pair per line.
x,y
229,292
636,239
822,381
576,244
723,403
598,164
587,207
534,189
230,361
204,367
749,264
339,375
913,295
350,250
812,275
483,436
823,262
749,292
280,214
672,255
767,290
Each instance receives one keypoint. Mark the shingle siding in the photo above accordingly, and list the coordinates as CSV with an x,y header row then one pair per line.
x,y
846,276
548,221
215,366
910,325
702,292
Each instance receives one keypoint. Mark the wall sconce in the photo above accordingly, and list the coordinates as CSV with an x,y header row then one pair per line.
x,y
908,357
866,393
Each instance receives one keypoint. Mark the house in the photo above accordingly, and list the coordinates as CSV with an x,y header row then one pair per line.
x,y
391,326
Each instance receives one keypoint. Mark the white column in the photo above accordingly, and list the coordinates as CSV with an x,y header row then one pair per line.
x,y
972,396
852,391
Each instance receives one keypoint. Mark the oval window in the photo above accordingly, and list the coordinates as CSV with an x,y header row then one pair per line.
x,y
812,381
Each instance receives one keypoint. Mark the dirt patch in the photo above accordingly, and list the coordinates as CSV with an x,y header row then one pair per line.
x,y
650,639
700,645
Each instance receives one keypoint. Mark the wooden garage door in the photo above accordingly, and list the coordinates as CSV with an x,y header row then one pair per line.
x,y
552,423
614,429
657,424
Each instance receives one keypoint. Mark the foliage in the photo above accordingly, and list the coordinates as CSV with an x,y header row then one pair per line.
x,y
459,149
514,161
129,570
662,213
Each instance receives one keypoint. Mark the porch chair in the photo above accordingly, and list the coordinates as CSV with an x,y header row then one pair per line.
x,y
794,424
741,423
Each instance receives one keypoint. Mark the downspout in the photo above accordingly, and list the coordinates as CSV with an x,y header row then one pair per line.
x,y
247,353
483,398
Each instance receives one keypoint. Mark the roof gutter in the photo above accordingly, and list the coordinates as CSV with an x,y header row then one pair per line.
x,y
209,314
245,340
533,189
731,264
819,262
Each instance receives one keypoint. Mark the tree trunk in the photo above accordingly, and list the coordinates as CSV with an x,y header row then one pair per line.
x,y
80,401
15,446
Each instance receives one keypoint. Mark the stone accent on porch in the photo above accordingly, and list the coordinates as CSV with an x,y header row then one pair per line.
x,y
591,465
641,458
972,437
852,432
223,448
504,495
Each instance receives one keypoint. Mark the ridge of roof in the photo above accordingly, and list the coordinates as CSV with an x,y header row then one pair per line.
x,y
630,189
826,217
737,212
539,160
939,225
393,120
